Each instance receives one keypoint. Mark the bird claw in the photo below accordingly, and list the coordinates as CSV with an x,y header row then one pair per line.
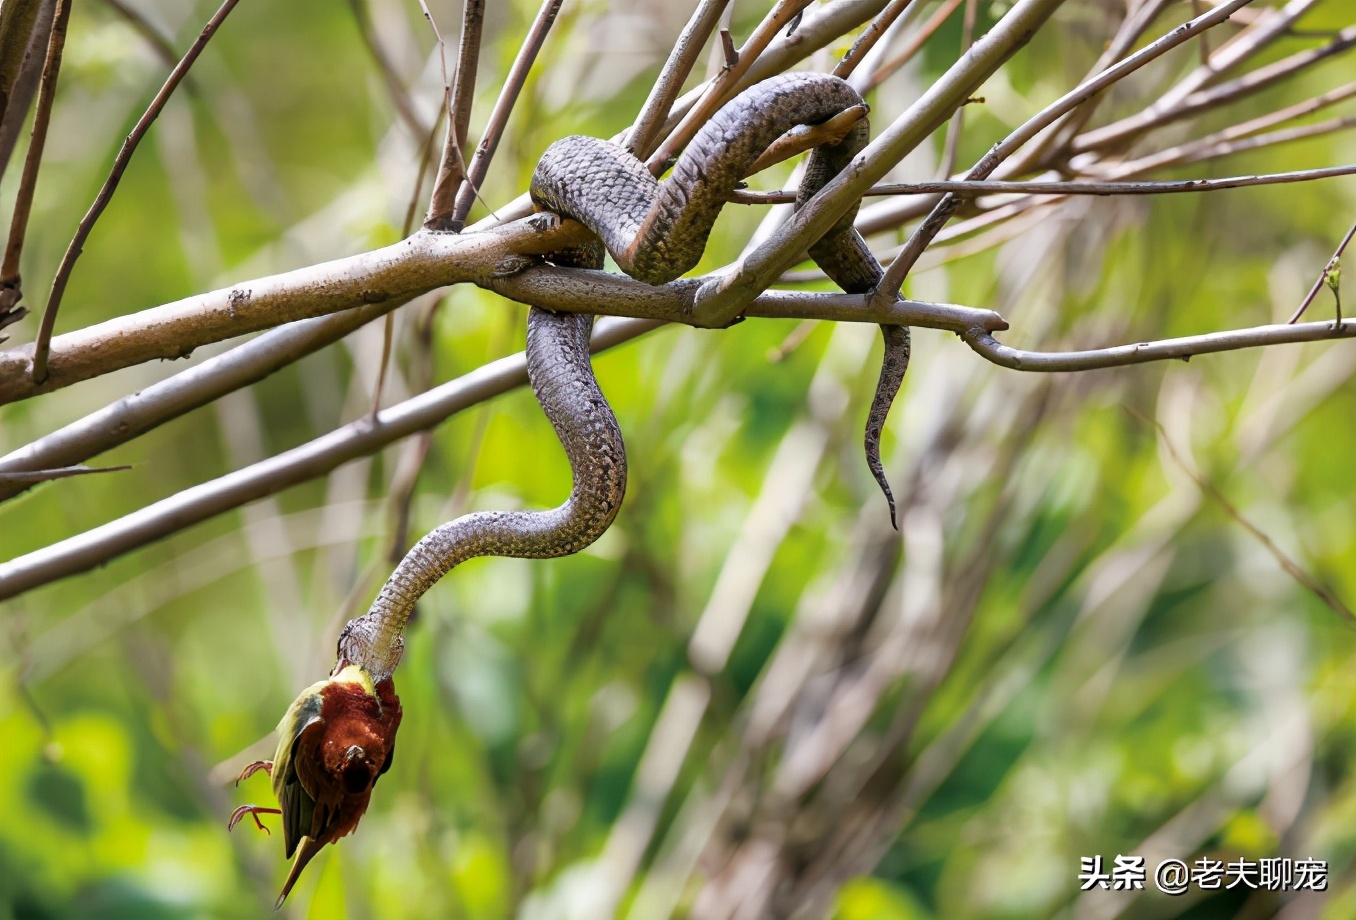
x,y
254,811
265,765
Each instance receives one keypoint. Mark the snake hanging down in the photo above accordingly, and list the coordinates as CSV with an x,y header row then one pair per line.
x,y
655,231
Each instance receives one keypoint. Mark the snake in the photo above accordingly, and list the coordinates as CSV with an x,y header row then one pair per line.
x,y
655,231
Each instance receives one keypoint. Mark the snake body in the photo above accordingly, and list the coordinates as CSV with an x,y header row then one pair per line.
x,y
655,231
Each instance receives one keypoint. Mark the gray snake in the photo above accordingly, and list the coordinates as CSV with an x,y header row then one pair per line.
x,y
655,231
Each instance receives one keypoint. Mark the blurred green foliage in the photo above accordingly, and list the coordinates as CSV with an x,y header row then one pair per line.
x,y
1138,674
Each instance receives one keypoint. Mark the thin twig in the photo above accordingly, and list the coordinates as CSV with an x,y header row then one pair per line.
x,y
976,189
1205,39
1270,25
643,136
941,213
953,130
1219,145
890,65
1053,143
1292,568
1184,348
1156,116
723,86
461,97
11,289
1323,277
503,107
870,35
129,147
33,477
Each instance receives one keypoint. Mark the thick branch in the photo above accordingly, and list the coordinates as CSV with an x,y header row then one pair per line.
x,y
313,459
134,415
493,259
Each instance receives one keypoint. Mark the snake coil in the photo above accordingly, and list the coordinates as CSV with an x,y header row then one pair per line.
x,y
655,231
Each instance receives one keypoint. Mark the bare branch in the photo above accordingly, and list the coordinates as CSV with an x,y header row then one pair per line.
x,y
976,189
34,477
724,86
395,87
941,213
452,169
129,147
310,460
1183,348
468,62
1156,116
1269,25
891,65
1292,568
499,115
1056,137
1221,144
11,289
957,123
870,35
802,138
153,406
721,299
642,139
1323,276
496,259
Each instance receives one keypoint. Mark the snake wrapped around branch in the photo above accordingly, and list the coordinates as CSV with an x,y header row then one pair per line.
x,y
655,231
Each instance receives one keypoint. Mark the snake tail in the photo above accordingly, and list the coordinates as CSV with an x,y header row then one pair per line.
x,y
561,375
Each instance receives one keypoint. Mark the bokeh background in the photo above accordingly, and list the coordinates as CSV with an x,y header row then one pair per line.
x,y
1074,647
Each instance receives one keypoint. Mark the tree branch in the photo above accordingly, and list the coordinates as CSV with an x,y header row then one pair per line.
x,y
1183,348
981,187
153,406
499,115
941,213
63,273
721,299
315,458
643,137
452,168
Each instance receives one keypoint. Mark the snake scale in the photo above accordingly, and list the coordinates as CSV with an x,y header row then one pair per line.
x,y
655,231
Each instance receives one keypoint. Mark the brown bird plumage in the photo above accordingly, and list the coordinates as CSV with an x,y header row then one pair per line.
x,y
336,739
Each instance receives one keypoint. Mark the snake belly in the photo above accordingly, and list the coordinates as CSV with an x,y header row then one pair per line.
x,y
657,230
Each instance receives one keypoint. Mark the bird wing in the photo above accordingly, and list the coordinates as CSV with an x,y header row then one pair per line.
x,y
302,720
